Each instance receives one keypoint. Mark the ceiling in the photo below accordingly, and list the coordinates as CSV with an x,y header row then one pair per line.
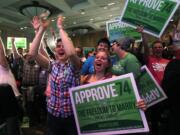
x,y
97,12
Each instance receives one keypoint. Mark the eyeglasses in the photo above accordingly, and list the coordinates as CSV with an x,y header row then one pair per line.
x,y
114,43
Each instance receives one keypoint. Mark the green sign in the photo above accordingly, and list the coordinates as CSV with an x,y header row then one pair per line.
x,y
154,15
86,50
108,107
117,29
149,89
20,42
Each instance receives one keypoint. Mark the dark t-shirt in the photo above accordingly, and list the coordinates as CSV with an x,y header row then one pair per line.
x,y
171,81
170,84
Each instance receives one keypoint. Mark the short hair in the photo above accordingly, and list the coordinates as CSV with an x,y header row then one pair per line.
x,y
157,41
104,40
125,42
79,48
20,48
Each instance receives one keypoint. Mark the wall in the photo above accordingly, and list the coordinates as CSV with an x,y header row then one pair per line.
x,y
88,40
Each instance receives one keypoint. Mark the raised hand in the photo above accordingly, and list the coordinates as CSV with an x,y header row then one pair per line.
x,y
60,20
35,23
140,29
12,39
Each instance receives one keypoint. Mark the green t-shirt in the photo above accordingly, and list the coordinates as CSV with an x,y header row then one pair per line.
x,y
127,65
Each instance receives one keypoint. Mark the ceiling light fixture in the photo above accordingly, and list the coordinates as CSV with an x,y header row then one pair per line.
x,y
34,9
110,4
105,7
82,12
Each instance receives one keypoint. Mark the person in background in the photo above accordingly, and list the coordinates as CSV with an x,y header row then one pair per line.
x,y
29,85
155,62
9,95
176,34
102,66
18,62
79,53
170,85
88,66
127,62
89,54
64,74
8,77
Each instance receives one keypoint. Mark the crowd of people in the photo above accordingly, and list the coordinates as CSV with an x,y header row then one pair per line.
x,y
42,78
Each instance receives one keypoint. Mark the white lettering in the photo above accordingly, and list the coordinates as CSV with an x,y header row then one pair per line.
x,y
113,91
77,98
153,4
100,91
153,95
96,94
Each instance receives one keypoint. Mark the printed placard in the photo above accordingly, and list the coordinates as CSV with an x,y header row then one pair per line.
x,y
154,15
116,30
108,107
20,42
149,89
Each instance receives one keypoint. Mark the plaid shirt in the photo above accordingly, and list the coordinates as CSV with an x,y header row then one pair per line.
x,y
30,74
63,77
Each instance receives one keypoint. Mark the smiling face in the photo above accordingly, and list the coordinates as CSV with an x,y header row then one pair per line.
x,y
102,61
157,49
60,52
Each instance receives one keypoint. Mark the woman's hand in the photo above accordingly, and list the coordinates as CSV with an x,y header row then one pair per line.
x,y
141,105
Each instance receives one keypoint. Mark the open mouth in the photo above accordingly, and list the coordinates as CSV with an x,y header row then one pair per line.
x,y
61,53
98,66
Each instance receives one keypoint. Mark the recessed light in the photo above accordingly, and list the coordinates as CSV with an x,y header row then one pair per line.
x,y
82,12
110,4
105,7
